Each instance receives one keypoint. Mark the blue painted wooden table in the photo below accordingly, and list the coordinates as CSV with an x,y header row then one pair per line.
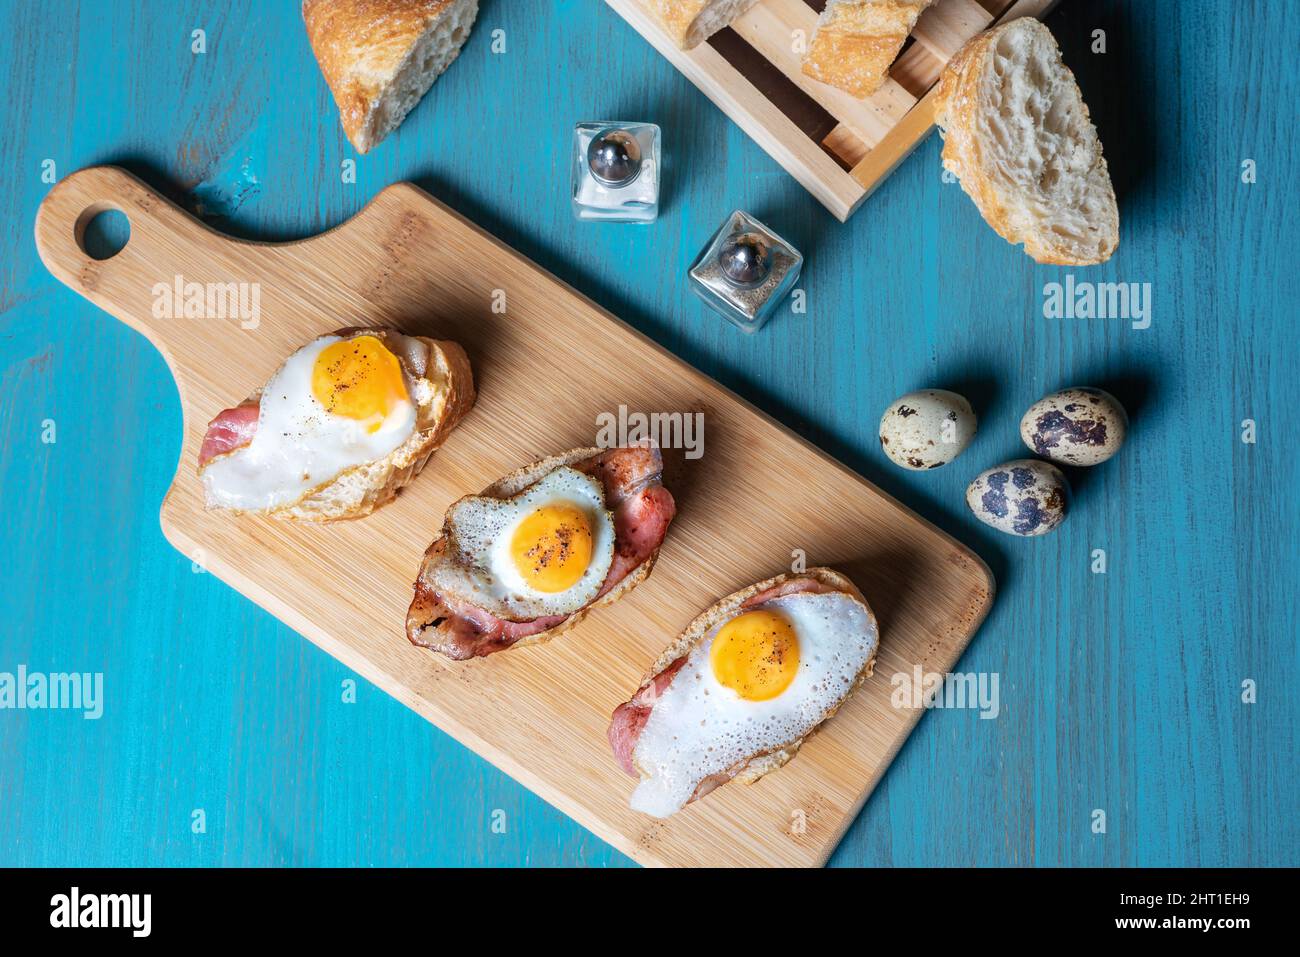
x,y
1159,691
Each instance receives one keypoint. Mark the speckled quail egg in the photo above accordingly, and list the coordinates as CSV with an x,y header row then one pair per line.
x,y
926,429
1023,497
1079,426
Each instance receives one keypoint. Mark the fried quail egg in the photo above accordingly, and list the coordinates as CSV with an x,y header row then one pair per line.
x,y
546,551
335,404
1024,497
1079,426
756,683
926,429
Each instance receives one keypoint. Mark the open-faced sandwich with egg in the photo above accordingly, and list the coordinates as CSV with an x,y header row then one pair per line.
x,y
742,687
344,423
531,554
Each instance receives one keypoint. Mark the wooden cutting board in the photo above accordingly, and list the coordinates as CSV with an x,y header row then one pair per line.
x,y
545,370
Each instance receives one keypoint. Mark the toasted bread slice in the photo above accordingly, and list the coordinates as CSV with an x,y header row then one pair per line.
x,y
380,57
359,490
691,22
424,609
757,765
1019,137
856,42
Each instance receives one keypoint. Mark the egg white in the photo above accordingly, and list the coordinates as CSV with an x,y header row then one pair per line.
x,y
699,727
479,568
299,444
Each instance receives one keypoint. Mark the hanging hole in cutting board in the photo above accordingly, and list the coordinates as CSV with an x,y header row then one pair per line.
x,y
102,231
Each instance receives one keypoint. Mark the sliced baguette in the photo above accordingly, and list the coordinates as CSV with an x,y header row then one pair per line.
x,y
358,491
511,485
727,608
1018,136
691,22
856,42
380,57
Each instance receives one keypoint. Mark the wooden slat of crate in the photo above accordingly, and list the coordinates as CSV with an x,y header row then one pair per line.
x,y
944,27
939,34
870,136
753,112
770,29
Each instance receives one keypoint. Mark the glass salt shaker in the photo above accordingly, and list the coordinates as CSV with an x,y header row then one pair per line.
x,y
616,172
745,271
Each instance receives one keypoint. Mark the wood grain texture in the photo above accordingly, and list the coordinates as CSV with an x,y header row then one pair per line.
x,y
1118,691
546,370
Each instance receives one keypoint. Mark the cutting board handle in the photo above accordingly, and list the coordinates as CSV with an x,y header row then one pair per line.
x,y
186,287
161,244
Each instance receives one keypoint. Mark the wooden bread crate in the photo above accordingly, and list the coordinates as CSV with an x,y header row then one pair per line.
x,y
839,147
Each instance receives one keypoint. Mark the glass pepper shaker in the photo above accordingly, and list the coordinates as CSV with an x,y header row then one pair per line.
x,y
616,172
745,271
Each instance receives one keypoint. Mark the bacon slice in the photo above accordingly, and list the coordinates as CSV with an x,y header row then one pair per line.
x,y
629,719
231,429
643,510
795,586
460,630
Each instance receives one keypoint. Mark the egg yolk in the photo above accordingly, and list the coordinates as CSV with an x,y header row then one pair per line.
x,y
756,655
551,548
358,379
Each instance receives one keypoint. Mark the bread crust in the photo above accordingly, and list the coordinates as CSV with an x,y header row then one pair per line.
x,y
753,768
685,20
958,112
514,483
361,46
856,42
380,481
